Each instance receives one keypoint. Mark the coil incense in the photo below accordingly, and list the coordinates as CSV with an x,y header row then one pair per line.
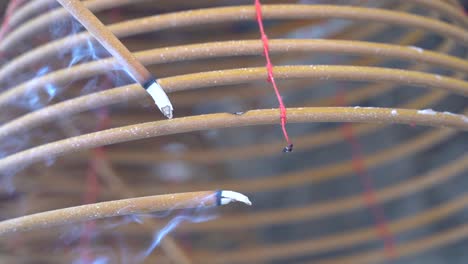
x,y
113,45
141,205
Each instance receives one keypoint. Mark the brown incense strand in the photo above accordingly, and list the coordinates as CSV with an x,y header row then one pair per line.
x,y
277,46
251,47
223,120
108,40
141,205
41,22
240,13
317,72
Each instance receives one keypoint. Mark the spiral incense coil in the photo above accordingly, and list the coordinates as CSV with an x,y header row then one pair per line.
x,y
375,95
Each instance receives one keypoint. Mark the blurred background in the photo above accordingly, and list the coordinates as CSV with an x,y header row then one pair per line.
x,y
348,193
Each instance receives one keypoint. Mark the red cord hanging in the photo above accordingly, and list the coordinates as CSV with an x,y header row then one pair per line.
x,y
271,79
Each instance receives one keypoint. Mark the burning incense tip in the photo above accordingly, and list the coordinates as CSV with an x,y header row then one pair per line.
x,y
161,99
113,45
226,197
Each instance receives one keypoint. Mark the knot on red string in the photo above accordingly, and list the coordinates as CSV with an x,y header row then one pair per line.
x,y
288,148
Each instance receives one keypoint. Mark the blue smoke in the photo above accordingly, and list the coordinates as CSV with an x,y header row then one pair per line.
x,y
176,221
96,260
36,99
196,215
51,91
101,260
61,28
83,53
42,71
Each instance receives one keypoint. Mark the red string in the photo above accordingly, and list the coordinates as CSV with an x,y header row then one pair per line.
x,y
370,199
271,79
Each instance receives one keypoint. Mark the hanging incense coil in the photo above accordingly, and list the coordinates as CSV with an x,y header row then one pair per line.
x,y
75,129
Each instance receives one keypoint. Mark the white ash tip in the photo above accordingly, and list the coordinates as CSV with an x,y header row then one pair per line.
x,y
161,99
167,111
231,196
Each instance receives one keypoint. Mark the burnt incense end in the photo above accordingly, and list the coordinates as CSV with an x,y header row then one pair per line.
x,y
167,111
160,98
288,148
224,197
115,47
